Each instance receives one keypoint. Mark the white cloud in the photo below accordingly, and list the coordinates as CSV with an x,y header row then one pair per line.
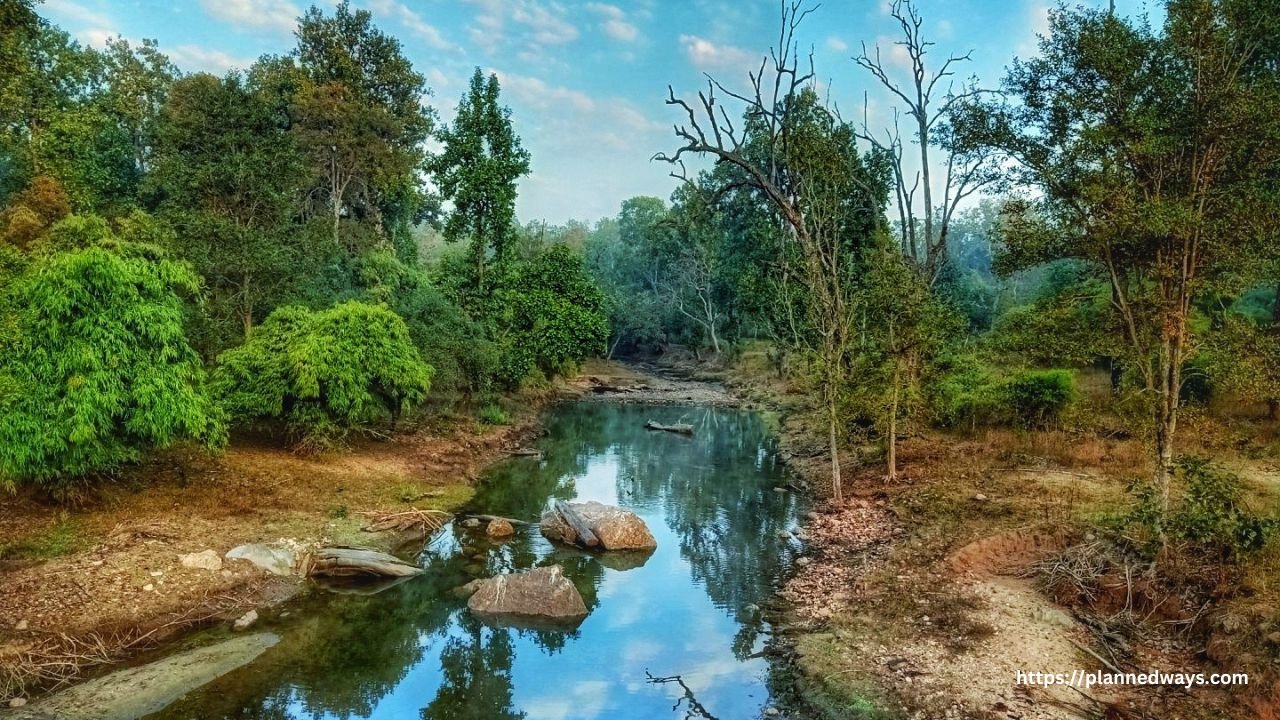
x,y
68,10
96,37
545,22
279,15
537,25
414,22
707,55
946,30
1038,22
614,22
835,44
196,58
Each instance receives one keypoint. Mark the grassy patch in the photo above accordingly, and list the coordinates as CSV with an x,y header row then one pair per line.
x,y
63,538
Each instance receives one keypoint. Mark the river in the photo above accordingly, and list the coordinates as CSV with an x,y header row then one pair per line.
x,y
691,609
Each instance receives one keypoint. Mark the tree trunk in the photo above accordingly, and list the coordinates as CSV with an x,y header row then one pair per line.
x,y
837,492
892,437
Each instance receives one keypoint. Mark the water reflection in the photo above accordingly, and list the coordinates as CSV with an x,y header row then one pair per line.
x,y
688,609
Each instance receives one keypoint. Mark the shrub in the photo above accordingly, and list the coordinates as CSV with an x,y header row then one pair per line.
x,y
463,357
1036,398
324,373
491,414
969,392
97,368
1210,515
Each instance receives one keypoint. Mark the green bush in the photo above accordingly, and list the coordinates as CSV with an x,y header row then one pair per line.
x,y
323,373
1036,398
97,369
491,414
464,358
968,392
1210,515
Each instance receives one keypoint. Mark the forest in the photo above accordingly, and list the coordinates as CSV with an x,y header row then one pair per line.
x,y
1074,267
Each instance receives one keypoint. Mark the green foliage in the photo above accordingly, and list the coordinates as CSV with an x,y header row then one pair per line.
x,y
477,171
558,317
99,369
464,357
1037,398
1210,515
323,373
492,414
969,392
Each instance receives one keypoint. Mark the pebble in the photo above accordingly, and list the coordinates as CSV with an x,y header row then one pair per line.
x,y
811,515
17,702
148,587
802,562
980,498
772,711
157,573
22,625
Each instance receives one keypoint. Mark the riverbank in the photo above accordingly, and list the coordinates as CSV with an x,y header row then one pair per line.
x,y
920,598
86,586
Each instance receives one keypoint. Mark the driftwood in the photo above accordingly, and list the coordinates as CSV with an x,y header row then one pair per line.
x,y
679,428
491,518
526,452
586,537
343,561
427,521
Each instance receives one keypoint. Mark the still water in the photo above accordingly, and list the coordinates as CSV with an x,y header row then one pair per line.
x,y
689,609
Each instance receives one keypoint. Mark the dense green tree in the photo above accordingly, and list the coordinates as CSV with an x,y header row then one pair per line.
x,y
477,171
557,316
324,373
360,120
1154,159
99,370
229,176
137,84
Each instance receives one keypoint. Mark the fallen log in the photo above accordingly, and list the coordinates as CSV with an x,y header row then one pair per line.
x,y
343,561
678,428
586,537
491,518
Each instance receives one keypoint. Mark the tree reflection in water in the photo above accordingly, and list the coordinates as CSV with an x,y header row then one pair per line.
x,y
690,608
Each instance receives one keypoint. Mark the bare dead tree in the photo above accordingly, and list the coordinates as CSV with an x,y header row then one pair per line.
x,y
929,96
794,179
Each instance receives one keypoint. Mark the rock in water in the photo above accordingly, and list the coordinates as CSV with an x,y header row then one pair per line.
x,y
617,529
246,620
539,596
499,528
140,691
206,560
275,560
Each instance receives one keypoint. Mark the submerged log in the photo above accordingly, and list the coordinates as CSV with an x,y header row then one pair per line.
x,y
586,537
342,561
491,518
679,428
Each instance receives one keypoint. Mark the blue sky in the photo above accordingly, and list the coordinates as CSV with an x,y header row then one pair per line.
x,y
586,79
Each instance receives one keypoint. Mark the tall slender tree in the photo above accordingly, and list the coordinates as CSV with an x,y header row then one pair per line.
x,y
478,169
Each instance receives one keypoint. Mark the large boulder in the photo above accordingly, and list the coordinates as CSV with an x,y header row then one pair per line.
x,y
534,597
614,528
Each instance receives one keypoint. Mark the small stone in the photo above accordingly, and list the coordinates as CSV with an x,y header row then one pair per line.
x,y
226,573
811,515
148,587
779,489
772,711
203,560
17,702
245,620
1273,638
22,625
979,498
157,573
802,562
471,523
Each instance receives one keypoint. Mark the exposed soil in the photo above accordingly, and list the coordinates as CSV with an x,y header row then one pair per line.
x,y
87,585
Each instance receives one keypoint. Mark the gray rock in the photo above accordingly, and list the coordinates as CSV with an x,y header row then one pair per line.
x,y
140,691
471,523
246,620
539,596
203,560
274,559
